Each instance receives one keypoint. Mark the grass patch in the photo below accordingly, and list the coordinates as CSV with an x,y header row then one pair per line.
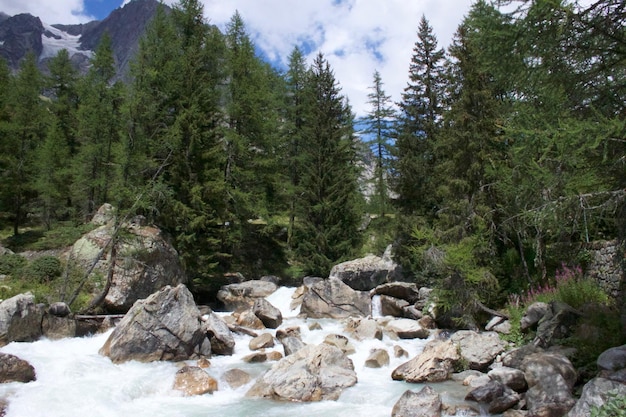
x,y
38,239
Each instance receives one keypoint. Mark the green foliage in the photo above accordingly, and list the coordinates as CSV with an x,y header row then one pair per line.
x,y
12,264
614,406
44,269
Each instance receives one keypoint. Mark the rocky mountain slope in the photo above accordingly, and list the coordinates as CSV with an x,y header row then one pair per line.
x,y
24,33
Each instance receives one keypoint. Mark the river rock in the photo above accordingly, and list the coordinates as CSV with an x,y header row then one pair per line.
x,y
145,262
366,273
478,349
550,379
236,378
14,369
391,306
219,334
242,295
332,298
165,326
192,380
511,377
407,291
364,328
435,363
515,357
314,373
407,329
613,359
424,403
262,341
55,328
59,309
248,319
20,319
267,313
595,394
377,359
341,342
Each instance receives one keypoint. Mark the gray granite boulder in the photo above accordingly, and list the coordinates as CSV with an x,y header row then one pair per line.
x,y
332,298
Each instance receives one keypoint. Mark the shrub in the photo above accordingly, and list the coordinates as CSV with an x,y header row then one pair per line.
x,y
44,269
11,264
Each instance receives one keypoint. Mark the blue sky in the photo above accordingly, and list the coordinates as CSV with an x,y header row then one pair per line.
x,y
356,36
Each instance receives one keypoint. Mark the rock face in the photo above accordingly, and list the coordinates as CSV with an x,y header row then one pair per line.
x,y
366,273
314,373
165,326
434,364
20,319
478,349
192,380
145,262
20,34
242,295
332,298
14,369
425,403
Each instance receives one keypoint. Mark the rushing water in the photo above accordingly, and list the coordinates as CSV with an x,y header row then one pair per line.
x,y
74,380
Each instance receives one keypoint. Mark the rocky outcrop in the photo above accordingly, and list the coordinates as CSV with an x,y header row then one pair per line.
x,y
558,323
314,373
19,35
14,369
597,393
332,298
242,295
425,403
165,326
192,380
435,363
144,261
20,319
478,349
366,273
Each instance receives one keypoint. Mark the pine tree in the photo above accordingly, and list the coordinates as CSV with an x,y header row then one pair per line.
x,y
379,138
419,122
327,225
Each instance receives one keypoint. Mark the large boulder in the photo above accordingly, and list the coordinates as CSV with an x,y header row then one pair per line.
x,y
435,363
550,378
366,273
332,298
478,349
407,291
242,295
407,329
14,369
314,373
613,359
425,403
219,334
165,326
20,319
267,313
533,314
145,261
559,323
597,393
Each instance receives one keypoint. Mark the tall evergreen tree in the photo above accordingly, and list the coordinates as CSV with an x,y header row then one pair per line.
x,y
99,115
328,219
379,138
419,121
24,132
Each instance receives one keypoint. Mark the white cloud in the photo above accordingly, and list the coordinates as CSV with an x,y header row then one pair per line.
x,y
57,11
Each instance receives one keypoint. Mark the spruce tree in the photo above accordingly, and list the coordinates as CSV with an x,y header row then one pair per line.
x,y
419,122
327,224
